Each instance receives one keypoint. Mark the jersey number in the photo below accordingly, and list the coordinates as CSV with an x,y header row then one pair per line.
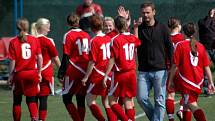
x,y
82,47
26,51
129,51
106,50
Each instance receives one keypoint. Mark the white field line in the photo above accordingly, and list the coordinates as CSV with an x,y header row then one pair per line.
x,y
143,114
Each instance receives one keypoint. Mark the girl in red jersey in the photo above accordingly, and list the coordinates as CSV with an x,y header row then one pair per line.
x,y
123,48
40,29
25,70
73,67
175,28
191,60
99,56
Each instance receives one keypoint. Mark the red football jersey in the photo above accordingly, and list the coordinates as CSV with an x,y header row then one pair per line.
x,y
123,49
48,49
176,37
100,51
89,11
76,45
191,69
24,53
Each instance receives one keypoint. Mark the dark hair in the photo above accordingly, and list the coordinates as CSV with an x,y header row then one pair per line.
x,y
148,4
96,23
173,23
189,30
22,25
121,24
73,20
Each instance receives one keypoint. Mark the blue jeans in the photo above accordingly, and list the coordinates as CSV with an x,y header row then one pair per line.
x,y
147,80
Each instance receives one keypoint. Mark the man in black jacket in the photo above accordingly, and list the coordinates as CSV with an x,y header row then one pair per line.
x,y
156,47
207,38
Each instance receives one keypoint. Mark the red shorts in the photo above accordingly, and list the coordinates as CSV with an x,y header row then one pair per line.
x,y
96,86
190,97
125,84
176,81
26,82
72,82
47,84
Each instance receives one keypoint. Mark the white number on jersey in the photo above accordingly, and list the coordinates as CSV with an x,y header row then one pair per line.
x,y
82,47
129,51
26,50
106,50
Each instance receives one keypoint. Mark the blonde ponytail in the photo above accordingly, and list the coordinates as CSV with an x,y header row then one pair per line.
x,y
34,29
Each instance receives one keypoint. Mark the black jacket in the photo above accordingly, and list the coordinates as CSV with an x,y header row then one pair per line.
x,y
207,32
156,47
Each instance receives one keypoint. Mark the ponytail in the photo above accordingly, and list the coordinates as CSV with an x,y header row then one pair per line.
x,y
22,26
193,46
189,30
34,29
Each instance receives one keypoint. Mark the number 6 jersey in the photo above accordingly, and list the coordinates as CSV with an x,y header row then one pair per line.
x,y
24,53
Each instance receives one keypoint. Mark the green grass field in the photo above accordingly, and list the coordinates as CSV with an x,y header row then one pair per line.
x,y
57,111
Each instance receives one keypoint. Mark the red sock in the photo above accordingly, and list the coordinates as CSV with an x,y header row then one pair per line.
x,y
110,114
32,107
73,112
187,115
131,114
97,113
17,112
170,109
42,115
199,115
81,112
117,109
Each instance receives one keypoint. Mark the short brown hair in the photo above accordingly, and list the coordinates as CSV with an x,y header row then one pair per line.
x,y
173,23
96,22
148,4
73,20
121,24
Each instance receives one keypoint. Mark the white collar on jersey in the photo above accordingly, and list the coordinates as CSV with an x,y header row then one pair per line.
x,y
174,33
100,34
40,35
76,30
126,33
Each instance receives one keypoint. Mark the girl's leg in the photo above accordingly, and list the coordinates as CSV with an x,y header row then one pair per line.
x,y
31,101
117,109
129,107
170,107
94,108
71,108
81,106
17,110
43,107
110,114
197,112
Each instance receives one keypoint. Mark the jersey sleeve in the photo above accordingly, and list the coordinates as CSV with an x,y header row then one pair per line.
x,y
52,49
137,41
11,54
66,45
